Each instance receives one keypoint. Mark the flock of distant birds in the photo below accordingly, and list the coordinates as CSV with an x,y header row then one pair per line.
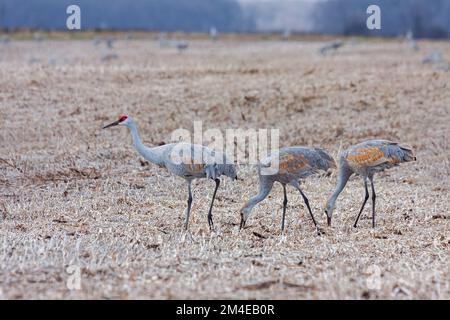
x,y
434,58
291,164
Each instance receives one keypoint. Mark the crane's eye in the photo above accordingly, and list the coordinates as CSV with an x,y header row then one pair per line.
x,y
122,118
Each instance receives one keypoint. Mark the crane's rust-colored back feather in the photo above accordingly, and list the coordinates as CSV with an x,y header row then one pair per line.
x,y
370,156
378,153
292,163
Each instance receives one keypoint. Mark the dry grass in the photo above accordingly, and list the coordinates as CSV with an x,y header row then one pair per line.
x,y
72,194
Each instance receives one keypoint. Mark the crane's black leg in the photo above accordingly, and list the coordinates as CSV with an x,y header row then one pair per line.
x,y
242,224
285,201
210,220
188,212
373,202
307,205
364,203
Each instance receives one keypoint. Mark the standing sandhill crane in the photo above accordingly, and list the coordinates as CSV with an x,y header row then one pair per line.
x,y
411,41
366,159
213,33
189,161
294,163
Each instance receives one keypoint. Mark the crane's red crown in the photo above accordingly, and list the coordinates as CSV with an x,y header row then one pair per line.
x,y
123,117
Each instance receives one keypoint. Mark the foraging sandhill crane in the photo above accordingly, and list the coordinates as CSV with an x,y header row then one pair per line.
x,y
181,45
189,161
433,58
294,163
331,46
365,159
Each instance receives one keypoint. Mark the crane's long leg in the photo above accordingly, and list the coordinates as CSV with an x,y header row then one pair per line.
x,y
364,203
285,201
296,185
307,205
373,201
210,220
188,212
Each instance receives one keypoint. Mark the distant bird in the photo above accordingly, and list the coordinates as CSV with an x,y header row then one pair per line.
x,y
189,161
294,163
331,46
365,159
286,34
38,37
410,39
96,41
33,60
110,56
433,58
52,61
213,33
110,42
181,45
165,42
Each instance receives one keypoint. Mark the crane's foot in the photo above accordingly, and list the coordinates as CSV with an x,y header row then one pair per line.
x,y
210,223
320,231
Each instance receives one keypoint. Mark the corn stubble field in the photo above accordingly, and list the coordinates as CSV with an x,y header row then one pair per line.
x,y
75,195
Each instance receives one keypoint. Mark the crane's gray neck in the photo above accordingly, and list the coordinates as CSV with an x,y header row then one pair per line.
x,y
255,200
149,154
344,175
264,190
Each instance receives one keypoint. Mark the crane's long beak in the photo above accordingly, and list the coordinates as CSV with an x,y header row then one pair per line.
x,y
115,123
329,221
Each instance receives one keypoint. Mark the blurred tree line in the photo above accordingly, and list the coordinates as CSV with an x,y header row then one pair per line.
x,y
167,15
424,18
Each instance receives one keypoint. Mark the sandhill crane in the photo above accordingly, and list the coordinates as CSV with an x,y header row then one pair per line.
x,y
411,42
189,161
294,163
110,42
181,45
110,56
286,34
213,33
331,46
366,159
434,57
96,41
